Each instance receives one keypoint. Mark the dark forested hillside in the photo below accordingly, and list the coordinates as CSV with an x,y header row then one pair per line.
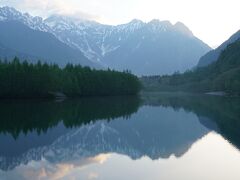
x,y
213,55
24,80
223,75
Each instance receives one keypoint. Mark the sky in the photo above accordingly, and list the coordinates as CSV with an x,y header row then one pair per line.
x,y
213,21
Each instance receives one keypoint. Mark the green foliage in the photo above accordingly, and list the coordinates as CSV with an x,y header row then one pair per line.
x,y
24,80
223,75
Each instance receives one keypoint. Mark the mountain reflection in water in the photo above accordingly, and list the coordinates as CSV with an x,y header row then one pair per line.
x,y
157,126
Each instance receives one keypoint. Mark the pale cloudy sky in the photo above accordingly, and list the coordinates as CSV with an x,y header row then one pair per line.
x,y
213,21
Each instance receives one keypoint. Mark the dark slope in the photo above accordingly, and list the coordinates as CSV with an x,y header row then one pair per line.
x,y
8,54
213,55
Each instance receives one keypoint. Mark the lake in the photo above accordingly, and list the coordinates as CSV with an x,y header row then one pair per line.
x,y
154,136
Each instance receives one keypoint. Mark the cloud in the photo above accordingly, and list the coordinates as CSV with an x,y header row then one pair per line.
x,y
45,8
72,169
93,175
81,15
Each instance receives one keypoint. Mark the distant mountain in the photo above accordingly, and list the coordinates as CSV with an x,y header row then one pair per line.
x,y
213,55
157,47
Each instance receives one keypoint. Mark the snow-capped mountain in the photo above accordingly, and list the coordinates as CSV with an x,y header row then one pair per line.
x,y
156,47
97,40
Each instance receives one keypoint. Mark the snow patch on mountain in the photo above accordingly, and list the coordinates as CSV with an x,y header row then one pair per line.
x,y
107,49
2,18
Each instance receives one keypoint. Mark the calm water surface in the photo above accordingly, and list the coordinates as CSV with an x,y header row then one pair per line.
x,y
155,136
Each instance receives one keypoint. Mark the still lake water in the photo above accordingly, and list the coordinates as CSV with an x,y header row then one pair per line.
x,y
155,136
